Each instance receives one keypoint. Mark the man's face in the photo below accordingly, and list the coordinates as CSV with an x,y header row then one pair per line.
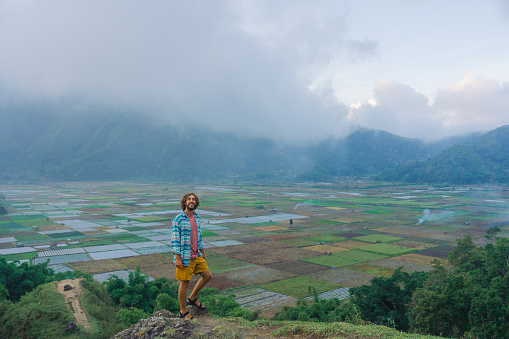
x,y
191,202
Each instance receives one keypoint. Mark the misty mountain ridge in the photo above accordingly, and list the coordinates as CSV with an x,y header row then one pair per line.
x,y
101,145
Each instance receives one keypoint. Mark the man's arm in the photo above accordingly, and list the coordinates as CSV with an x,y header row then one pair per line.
x,y
203,254
178,261
175,243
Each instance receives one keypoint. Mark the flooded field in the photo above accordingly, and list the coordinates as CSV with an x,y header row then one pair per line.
x,y
266,244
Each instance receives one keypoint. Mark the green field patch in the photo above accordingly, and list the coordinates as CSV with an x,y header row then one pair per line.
x,y
327,222
32,238
36,222
15,227
207,233
330,261
299,287
359,256
219,263
386,249
4,230
375,238
267,223
378,211
151,218
70,235
27,217
20,256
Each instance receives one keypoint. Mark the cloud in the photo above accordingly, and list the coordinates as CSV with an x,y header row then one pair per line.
x,y
228,65
471,104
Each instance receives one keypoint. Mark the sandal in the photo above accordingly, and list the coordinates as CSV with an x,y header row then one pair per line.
x,y
183,315
193,302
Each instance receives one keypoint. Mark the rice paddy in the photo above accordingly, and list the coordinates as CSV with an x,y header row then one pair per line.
x,y
278,241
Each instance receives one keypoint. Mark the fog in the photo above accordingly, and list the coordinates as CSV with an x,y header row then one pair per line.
x,y
288,70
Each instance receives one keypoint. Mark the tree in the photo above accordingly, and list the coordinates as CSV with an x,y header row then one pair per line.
x,y
385,300
3,210
468,298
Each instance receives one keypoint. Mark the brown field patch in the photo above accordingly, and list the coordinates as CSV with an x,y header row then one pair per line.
x,y
406,266
348,234
345,277
273,255
54,227
297,267
373,269
336,208
323,248
415,259
414,244
93,232
271,228
349,244
257,275
97,266
265,246
347,220
219,282
154,265
280,236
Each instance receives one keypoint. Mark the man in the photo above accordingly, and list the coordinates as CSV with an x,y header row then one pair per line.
x,y
189,256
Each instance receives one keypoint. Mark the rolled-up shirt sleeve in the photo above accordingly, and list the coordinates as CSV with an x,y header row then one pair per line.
x,y
175,238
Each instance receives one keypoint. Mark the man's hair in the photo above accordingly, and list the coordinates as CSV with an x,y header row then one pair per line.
x,y
184,200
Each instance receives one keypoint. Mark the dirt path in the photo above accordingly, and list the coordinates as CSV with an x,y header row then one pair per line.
x,y
73,301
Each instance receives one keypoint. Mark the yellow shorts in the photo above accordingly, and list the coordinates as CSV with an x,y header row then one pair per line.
x,y
196,266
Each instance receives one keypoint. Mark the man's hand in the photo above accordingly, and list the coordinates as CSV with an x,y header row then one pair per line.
x,y
203,254
179,263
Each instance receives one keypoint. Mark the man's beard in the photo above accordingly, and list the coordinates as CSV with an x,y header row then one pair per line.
x,y
191,208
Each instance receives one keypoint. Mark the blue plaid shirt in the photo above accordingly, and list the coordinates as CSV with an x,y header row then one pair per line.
x,y
181,237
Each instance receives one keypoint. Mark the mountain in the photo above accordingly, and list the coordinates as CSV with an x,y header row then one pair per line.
x,y
479,160
70,142
363,152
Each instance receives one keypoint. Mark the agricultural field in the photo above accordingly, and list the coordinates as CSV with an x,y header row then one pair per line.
x,y
266,245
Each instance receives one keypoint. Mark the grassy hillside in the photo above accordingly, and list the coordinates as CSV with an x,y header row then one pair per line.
x,y
43,314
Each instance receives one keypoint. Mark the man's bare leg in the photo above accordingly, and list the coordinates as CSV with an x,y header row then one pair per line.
x,y
205,278
184,284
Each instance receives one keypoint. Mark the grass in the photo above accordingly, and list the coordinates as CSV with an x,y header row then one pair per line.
x,y
372,269
336,330
386,249
36,237
207,233
62,235
20,256
327,222
374,238
219,263
299,287
360,256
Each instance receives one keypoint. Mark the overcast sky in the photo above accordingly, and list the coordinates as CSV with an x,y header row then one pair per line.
x,y
292,70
